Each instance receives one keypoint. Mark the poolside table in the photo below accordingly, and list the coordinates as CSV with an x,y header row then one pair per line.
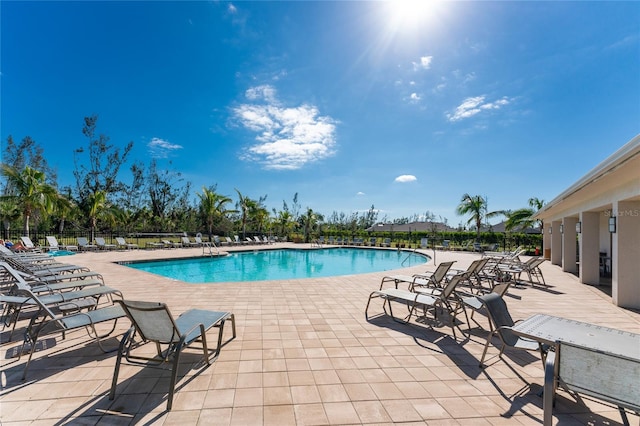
x,y
549,329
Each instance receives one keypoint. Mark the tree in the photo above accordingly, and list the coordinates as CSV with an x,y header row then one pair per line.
x,y
27,153
104,163
523,218
212,207
309,222
476,206
28,190
8,213
98,209
63,207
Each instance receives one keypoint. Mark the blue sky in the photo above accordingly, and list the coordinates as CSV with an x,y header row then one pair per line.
x,y
402,105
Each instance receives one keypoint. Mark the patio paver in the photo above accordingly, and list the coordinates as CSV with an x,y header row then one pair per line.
x,y
305,354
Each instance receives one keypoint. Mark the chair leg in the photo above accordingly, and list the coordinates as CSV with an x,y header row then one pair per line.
x,y
174,376
116,371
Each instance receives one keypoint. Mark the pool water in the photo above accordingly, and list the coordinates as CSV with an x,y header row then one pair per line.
x,y
61,253
281,264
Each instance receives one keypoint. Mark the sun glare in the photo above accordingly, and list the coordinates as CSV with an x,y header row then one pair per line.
x,y
410,12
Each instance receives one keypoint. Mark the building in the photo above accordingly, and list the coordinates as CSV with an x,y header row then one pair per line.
x,y
593,227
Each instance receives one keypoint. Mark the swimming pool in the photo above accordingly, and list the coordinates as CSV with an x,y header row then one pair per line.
x,y
281,264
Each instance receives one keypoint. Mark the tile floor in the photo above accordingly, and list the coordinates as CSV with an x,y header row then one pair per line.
x,y
306,355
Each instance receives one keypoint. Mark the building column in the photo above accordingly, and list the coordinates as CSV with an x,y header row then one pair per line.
x,y
546,240
589,241
556,243
625,252
569,242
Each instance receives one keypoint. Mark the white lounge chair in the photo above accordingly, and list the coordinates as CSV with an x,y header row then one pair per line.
x,y
103,245
83,244
122,243
55,246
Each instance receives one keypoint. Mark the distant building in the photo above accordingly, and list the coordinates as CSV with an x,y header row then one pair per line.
x,y
593,227
411,227
501,228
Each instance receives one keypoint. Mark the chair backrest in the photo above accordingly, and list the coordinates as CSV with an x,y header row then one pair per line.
x,y
100,241
121,241
198,239
26,241
185,240
500,316
52,241
441,271
451,286
82,241
152,320
535,262
424,243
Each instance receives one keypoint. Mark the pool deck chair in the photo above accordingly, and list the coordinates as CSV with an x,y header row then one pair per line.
x,y
427,279
122,243
83,244
153,322
502,323
103,245
45,322
55,246
444,299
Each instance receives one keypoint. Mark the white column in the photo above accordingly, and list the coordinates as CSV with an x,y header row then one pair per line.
x,y
569,244
556,243
546,240
589,248
625,255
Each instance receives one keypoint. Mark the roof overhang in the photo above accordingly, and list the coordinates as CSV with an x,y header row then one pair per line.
x,y
617,177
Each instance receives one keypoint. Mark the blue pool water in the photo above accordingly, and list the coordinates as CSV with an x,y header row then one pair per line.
x,y
281,264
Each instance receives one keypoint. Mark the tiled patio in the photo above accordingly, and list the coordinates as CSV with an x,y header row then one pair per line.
x,y
305,354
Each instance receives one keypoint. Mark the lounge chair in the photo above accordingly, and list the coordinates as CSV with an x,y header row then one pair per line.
x,y
46,323
54,246
102,244
531,267
155,245
428,279
444,299
476,304
154,324
502,323
372,241
201,243
83,244
230,242
122,243
186,242
471,275
171,244
386,242
28,245
238,241
257,240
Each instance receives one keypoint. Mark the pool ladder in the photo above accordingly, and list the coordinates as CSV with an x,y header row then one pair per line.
x,y
413,252
209,245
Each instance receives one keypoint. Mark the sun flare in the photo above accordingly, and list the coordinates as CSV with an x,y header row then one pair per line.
x,y
410,12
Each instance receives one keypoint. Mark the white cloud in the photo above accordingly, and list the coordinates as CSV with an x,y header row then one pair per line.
x,y
360,193
414,97
160,148
405,178
288,137
232,9
472,106
424,63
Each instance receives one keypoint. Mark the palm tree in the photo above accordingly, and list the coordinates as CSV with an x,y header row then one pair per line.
x,y
476,206
285,222
63,207
212,207
244,203
98,209
523,218
8,213
309,220
30,192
